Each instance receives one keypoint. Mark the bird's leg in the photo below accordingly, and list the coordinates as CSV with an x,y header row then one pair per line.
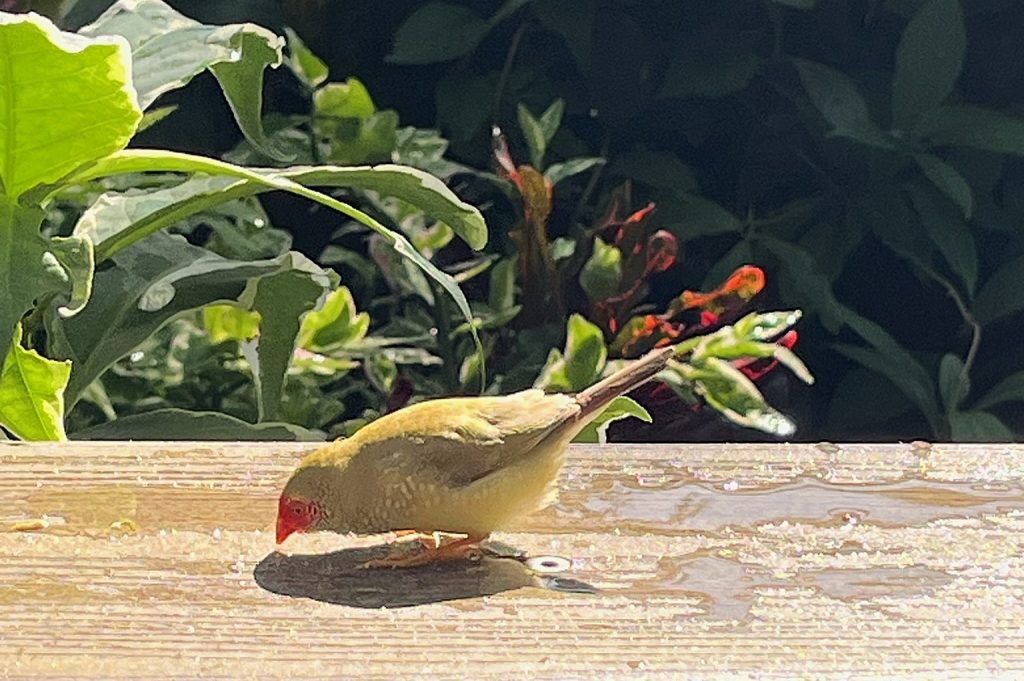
x,y
461,549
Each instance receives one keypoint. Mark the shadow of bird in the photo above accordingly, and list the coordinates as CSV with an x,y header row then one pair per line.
x,y
340,578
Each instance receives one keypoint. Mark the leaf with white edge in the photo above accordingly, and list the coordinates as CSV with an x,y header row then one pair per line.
x,y
350,99
557,172
180,424
335,324
928,60
75,255
621,407
281,299
308,67
170,49
948,180
979,426
406,179
728,391
28,268
1010,389
149,284
952,388
975,127
65,100
840,102
32,393
437,32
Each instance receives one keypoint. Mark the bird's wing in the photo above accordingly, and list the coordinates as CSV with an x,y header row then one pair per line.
x,y
461,440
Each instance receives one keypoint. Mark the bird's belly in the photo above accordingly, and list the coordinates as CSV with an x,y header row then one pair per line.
x,y
495,501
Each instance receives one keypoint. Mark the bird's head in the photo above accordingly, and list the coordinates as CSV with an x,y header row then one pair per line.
x,y
307,502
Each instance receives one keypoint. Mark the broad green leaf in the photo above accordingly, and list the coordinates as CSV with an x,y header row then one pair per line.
x,y
350,99
971,126
401,180
949,233
149,284
230,323
928,60
281,299
657,169
689,216
437,32
979,426
602,273
29,268
170,49
32,393
951,386
180,424
621,407
502,292
65,100
335,324
539,131
75,254
308,67
582,362
949,181
712,63
556,172
1002,294
1010,389
840,102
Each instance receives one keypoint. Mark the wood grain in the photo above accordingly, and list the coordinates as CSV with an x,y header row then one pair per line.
x,y
711,561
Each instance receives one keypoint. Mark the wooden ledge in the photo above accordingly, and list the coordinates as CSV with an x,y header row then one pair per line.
x,y
714,561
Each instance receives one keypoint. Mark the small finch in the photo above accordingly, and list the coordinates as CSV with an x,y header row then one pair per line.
x,y
461,465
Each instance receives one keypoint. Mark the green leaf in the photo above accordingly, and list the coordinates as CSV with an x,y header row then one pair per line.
x,y
381,371
281,299
180,424
502,292
602,273
32,393
971,126
657,169
230,323
728,391
557,172
1010,389
949,233
335,324
689,216
928,60
75,255
978,426
840,102
797,4
149,284
1002,294
621,407
437,32
306,66
712,63
170,49
949,181
951,386
65,101
539,131
582,363
401,181
28,268
350,99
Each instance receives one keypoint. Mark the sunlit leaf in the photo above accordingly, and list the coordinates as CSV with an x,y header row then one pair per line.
x,y
32,393
621,407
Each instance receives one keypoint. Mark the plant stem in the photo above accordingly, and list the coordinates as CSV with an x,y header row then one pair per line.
x,y
510,58
444,339
972,321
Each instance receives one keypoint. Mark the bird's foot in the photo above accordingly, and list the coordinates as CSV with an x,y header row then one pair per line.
x,y
461,549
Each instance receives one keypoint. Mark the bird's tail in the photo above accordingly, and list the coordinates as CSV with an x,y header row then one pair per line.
x,y
594,399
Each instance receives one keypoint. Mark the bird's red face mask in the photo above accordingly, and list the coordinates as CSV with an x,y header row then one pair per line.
x,y
295,515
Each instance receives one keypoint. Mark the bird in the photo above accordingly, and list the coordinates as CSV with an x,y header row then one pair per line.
x,y
465,466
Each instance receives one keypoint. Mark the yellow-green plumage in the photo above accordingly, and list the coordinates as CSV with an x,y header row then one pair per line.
x,y
467,465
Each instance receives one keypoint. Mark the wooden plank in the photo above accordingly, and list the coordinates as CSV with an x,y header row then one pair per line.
x,y
717,561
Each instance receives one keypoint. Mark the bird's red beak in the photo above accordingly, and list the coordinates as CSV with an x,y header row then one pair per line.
x,y
294,515
284,528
